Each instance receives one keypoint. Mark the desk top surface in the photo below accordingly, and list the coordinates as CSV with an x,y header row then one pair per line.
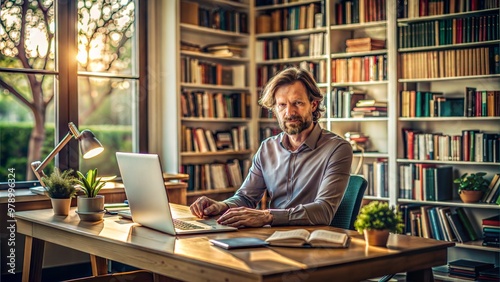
x,y
261,261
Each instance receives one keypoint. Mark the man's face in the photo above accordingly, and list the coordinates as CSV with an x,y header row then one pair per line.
x,y
293,109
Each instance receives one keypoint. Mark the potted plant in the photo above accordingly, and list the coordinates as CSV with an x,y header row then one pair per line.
x,y
471,187
60,187
90,205
375,220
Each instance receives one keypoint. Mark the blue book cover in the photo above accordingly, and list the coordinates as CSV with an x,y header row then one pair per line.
x,y
435,225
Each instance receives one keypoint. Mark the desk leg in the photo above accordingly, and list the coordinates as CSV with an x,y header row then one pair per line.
x,y
33,259
99,265
424,275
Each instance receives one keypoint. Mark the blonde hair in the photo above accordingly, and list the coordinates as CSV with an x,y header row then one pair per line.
x,y
289,76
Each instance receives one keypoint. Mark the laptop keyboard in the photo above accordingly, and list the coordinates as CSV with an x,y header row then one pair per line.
x,y
182,225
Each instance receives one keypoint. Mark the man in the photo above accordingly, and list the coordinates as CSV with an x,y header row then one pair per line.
x,y
304,169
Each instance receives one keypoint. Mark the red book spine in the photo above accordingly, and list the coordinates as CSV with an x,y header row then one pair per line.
x,y
491,222
478,103
466,145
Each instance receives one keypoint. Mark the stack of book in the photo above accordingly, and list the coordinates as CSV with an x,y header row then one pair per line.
x,y
492,274
187,46
364,44
491,231
468,269
231,49
369,108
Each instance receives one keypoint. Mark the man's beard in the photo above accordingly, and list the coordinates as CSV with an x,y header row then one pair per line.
x,y
296,128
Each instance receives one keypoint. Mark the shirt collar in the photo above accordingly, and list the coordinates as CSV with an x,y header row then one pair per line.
x,y
311,140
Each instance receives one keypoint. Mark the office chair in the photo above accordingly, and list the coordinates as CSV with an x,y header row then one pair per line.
x,y
351,202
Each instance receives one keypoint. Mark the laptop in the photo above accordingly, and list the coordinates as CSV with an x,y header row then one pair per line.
x,y
142,177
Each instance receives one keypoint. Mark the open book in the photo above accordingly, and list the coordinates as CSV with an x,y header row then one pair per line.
x,y
304,238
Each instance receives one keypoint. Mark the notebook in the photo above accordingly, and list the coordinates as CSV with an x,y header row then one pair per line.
x,y
148,200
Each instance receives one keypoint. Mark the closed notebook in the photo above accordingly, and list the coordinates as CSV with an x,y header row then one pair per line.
x,y
304,238
241,242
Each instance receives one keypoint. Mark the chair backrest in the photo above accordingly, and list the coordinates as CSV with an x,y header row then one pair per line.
x,y
351,202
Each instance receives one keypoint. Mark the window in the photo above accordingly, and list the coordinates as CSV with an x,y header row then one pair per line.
x,y
51,74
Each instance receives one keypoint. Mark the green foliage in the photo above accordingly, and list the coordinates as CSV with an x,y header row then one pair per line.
x,y
60,185
379,216
472,182
91,185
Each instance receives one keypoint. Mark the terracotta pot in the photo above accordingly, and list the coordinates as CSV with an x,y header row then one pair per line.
x,y
61,206
470,196
376,237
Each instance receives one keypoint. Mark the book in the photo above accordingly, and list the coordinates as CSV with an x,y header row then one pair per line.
x,y
240,242
304,238
470,265
492,221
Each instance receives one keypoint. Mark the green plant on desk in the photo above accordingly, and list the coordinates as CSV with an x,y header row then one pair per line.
x,y
378,216
60,185
91,185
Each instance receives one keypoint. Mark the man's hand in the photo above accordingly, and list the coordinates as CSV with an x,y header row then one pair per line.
x,y
204,206
243,216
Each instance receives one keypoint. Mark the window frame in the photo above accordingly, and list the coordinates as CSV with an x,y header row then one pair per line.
x,y
66,99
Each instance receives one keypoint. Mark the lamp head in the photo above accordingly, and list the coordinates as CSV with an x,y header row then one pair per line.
x,y
89,145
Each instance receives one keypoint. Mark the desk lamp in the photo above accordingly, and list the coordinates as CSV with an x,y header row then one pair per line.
x,y
89,146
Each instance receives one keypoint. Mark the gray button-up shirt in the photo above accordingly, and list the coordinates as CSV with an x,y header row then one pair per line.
x,y
305,186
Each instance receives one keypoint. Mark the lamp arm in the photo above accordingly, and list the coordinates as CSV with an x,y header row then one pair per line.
x,y
38,167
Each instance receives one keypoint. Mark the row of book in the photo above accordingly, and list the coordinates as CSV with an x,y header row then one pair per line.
x,y
214,17
349,102
481,103
425,182
472,146
203,104
359,11
224,50
357,69
423,8
317,69
290,18
376,174
474,103
451,63
438,222
199,72
449,31
217,175
285,48
466,269
205,140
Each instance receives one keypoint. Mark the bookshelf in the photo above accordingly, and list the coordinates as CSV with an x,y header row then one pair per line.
x,y
451,47
213,95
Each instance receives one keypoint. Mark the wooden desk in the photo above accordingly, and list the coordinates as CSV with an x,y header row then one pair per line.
x,y
192,258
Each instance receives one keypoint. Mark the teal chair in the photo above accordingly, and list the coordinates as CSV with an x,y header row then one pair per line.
x,y
351,202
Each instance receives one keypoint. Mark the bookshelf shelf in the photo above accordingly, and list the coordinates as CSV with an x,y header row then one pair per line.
x,y
449,162
359,25
216,120
371,155
445,16
425,119
292,60
358,54
384,119
285,5
208,56
218,153
449,46
477,245
360,83
195,86
291,33
472,77
454,203
211,31
375,198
